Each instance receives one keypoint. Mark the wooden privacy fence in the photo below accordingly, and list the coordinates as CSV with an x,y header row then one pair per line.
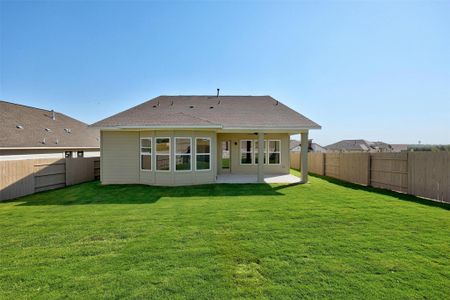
x,y
425,174
23,177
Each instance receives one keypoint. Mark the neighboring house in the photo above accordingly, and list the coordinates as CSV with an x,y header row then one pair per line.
x,y
312,147
399,147
359,146
182,140
29,132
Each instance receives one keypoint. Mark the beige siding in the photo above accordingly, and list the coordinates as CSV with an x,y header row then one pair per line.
x,y
237,168
127,143
120,157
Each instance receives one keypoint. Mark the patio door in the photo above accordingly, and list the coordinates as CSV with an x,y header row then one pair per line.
x,y
226,157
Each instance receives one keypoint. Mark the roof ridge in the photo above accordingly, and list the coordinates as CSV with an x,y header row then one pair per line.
x,y
29,106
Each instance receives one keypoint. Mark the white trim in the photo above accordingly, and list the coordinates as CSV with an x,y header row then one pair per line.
x,y
252,147
196,154
146,154
268,152
182,154
156,153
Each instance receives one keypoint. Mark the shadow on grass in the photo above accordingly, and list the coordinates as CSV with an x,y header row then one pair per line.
x,y
397,195
95,193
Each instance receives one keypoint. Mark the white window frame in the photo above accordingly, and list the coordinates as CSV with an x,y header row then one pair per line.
x,y
268,152
210,149
183,154
252,151
147,154
156,153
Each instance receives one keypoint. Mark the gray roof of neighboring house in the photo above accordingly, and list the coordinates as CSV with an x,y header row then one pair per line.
x,y
24,126
210,112
358,145
399,147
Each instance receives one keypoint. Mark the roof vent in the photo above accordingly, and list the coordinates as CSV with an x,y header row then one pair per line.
x,y
53,115
218,90
276,103
48,129
68,130
43,141
191,106
154,106
57,141
19,126
171,103
211,107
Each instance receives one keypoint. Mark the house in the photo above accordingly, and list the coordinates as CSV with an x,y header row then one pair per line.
x,y
183,140
359,146
30,132
399,147
312,147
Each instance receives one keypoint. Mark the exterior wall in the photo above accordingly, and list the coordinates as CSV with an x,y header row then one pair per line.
x,y
15,154
235,162
120,159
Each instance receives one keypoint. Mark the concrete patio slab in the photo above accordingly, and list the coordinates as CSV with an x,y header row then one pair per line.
x,y
243,178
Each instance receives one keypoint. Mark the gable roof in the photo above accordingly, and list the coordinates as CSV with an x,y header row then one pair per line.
x,y
24,126
223,112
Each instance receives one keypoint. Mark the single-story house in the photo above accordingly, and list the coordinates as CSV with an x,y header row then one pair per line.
x,y
184,140
30,132
359,146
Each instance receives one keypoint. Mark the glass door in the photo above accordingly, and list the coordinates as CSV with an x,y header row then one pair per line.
x,y
226,157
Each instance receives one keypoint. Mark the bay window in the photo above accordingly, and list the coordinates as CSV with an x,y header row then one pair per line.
x,y
202,154
183,153
163,154
146,154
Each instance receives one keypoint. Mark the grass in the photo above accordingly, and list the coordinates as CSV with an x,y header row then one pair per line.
x,y
325,239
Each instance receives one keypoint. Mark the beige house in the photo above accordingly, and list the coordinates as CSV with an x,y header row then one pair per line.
x,y
185,140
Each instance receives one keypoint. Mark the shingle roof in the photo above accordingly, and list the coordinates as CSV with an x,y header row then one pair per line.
x,y
25,126
358,145
210,111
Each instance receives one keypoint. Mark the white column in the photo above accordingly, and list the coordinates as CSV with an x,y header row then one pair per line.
x,y
304,157
260,157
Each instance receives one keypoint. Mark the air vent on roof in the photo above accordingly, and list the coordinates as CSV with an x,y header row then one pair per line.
x,y
19,126
57,141
276,103
67,130
48,129
191,106
43,141
211,107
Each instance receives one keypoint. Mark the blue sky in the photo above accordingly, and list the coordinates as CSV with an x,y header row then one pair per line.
x,y
373,70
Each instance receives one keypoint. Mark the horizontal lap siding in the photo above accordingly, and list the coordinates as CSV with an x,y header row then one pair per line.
x,y
120,157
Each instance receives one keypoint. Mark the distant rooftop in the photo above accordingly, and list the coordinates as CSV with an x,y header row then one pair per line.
x,y
25,126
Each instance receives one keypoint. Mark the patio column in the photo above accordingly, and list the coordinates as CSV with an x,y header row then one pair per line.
x,y
304,157
260,157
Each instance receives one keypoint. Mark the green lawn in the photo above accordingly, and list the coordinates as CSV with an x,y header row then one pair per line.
x,y
319,240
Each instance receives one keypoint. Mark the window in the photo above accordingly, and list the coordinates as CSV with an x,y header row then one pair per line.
x,y
203,154
146,154
274,152
68,154
183,154
80,153
257,149
163,154
246,152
